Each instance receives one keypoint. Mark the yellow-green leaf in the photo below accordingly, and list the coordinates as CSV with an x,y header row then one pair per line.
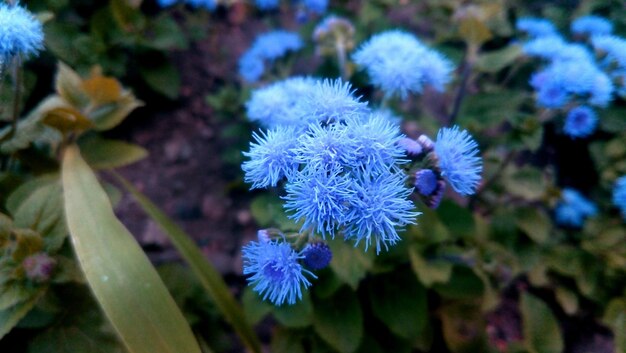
x,y
541,329
106,154
208,276
11,316
123,280
68,85
66,120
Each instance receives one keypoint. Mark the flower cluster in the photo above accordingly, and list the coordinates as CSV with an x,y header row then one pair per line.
x,y
20,34
267,47
573,209
204,4
399,64
574,81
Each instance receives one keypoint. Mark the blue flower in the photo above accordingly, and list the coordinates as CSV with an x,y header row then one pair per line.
x,y
317,255
399,64
282,103
166,3
619,195
20,32
573,209
459,161
612,49
425,182
207,4
332,100
536,27
580,122
275,271
375,142
320,198
591,25
326,147
317,6
380,206
267,4
271,157
251,67
554,48
268,46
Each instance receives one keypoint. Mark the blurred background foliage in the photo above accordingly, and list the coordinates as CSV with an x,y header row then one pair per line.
x,y
490,273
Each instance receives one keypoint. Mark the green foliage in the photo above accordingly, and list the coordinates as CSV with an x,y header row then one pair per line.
x,y
541,329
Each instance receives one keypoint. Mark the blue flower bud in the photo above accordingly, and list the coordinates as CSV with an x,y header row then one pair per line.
x,y
425,182
317,255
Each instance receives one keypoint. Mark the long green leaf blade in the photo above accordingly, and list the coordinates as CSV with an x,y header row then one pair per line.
x,y
209,277
123,280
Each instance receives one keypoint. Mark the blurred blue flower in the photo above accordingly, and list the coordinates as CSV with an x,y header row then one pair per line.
x,y
554,48
376,143
399,64
282,103
268,46
317,255
326,147
380,206
425,181
20,32
317,6
271,157
459,161
591,25
580,122
166,3
275,271
331,100
320,198
251,67
267,4
612,50
619,195
536,27
573,209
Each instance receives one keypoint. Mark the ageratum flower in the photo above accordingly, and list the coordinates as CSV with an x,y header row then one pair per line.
x,y
376,142
580,122
459,161
317,255
399,64
331,100
20,32
554,48
275,271
619,195
612,49
267,4
591,26
271,157
573,209
536,27
425,182
317,6
320,198
267,47
282,103
381,206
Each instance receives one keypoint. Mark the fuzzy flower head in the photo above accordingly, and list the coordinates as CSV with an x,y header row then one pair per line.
x,y
399,64
20,32
619,195
267,47
459,161
573,209
536,27
271,157
275,271
381,206
591,26
612,50
580,122
331,101
267,4
376,143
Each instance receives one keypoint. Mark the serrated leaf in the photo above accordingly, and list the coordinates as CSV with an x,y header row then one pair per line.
x,y
114,263
542,333
535,223
400,302
108,154
339,321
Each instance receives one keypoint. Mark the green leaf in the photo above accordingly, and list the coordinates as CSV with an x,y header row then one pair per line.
x,y
100,153
535,223
267,210
541,329
11,316
615,318
68,85
254,307
463,327
339,321
567,299
114,263
164,33
464,284
349,263
494,61
208,276
459,220
429,272
526,182
287,341
297,315
161,76
400,302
